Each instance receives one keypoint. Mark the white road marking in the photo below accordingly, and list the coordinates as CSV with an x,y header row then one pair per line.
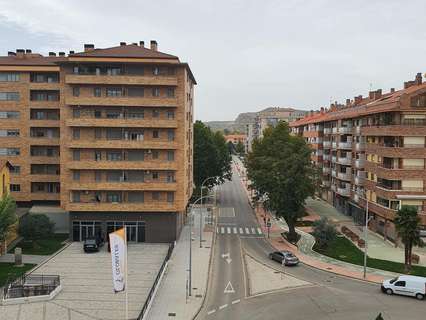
x,y
217,230
222,230
247,231
253,230
259,231
211,312
229,288
235,230
223,307
229,230
241,231
236,301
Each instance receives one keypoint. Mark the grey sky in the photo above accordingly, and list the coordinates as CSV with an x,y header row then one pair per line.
x,y
246,55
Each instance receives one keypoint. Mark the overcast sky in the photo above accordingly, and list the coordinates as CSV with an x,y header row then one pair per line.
x,y
246,55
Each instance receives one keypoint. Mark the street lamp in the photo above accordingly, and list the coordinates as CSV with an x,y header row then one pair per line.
x,y
201,212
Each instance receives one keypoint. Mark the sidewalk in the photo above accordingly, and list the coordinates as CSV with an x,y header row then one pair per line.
x,y
171,299
26,258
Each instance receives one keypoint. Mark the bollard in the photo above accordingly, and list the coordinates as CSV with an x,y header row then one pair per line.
x,y
18,257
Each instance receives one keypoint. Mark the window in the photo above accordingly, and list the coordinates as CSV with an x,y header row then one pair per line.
x,y
98,155
114,92
170,197
76,196
76,133
9,152
155,176
155,195
9,96
155,134
98,133
170,92
114,134
155,92
155,71
170,177
9,77
135,196
97,92
400,284
76,155
9,133
15,170
76,113
114,156
170,114
155,113
9,114
135,91
170,155
113,71
75,70
98,114
15,187
136,114
76,91
170,134
98,176
76,175
113,197
155,154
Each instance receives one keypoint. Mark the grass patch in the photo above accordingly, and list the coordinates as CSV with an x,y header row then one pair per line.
x,y
46,246
9,269
343,249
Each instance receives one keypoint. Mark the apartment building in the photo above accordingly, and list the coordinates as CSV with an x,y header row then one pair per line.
x,y
104,133
372,149
269,117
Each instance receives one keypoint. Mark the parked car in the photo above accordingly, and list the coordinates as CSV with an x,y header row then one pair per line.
x,y
91,245
406,285
289,258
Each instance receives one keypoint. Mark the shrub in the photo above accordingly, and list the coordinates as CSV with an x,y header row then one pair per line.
x,y
33,227
324,232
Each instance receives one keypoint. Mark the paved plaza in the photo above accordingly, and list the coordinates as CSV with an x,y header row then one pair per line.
x,y
87,285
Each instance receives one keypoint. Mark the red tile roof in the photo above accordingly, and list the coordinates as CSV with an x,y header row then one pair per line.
x,y
30,60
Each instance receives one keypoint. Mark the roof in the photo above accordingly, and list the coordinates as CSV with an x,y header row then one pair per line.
x,y
4,163
387,102
125,51
30,60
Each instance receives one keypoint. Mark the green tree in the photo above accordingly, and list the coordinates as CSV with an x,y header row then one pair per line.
x,y
282,173
407,226
211,156
7,216
239,148
324,232
379,317
35,226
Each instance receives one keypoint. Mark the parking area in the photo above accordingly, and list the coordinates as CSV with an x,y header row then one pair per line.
x,y
87,291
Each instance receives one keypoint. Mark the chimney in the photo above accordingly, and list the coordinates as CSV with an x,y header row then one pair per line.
x,y
408,84
89,47
348,102
154,45
371,95
61,54
11,53
418,79
358,100
142,44
52,54
135,43
28,51
72,52
122,44
378,94
20,53
392,90
322,110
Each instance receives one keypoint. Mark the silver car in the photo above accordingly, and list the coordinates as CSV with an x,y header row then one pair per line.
x,y
289,258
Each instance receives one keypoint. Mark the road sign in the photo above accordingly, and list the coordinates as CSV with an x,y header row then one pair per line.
x,y
229,288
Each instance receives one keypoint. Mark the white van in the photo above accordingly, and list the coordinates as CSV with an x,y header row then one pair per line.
x,y
406,285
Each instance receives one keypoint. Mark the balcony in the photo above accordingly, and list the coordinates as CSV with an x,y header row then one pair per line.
x,y
344,176
159,206
333,187
356,197
333,173
326,157
357,130
121,101
123,165
326,144
346,192
344,161
359,181
345,130
396,152
359,146
326,170
123,144
345,145
105,79
395,130
326,183
333,159
334,145
122,123
327,130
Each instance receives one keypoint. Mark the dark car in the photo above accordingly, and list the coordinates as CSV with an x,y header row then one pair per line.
x,y
289,258
91,245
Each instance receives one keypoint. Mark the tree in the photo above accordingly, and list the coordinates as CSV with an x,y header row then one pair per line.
x,y
211,156
324,232
7,216
35,226
282,173
379,317
407,226
239,148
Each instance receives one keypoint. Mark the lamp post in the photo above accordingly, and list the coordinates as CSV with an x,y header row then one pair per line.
x,y
201,212
367,219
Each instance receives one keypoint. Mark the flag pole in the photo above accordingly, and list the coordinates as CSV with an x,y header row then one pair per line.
x,y
127,282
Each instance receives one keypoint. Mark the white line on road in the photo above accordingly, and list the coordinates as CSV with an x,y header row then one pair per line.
x,y
236,301
235,230
223,307
259,231
247,231
253,230
222,230
211,312
229,230
241,231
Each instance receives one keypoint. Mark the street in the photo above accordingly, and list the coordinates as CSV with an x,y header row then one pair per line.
x,y
328,297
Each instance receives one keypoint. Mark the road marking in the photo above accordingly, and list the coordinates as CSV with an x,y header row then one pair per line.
x,y
227,257
217,230
247,231
241,231
229,230
253,230
229,288
236,301
223,307
222,230
259,231
211,312
235,230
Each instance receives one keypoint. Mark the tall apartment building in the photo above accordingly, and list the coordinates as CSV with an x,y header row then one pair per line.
x,y
269,117
372,149
105,133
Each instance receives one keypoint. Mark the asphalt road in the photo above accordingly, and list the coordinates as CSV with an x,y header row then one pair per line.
x,y
330,297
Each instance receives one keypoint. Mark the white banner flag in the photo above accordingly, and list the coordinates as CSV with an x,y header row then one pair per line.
x,y
118,245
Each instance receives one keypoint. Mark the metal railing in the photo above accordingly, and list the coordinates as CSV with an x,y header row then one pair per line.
x,y
154,285
31,285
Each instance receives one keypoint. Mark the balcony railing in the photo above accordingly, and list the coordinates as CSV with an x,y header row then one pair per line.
x,y
357,130
344,191
345,161
333,173
359,180
344,176
360,146
345,130
327,130
334,130
326,170
334,145
326,144
359,163
326,157
345,145
334,159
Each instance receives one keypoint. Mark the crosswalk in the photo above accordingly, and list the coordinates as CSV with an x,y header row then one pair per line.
x,y
239,230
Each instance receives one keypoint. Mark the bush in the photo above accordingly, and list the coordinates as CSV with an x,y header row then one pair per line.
x,y
33,227
324,232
